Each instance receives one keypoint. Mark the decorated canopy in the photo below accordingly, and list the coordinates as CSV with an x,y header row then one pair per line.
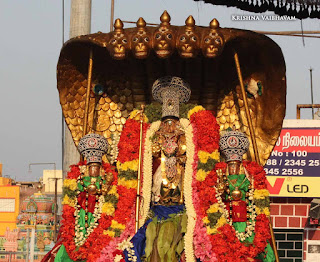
x,y
301,9
126,62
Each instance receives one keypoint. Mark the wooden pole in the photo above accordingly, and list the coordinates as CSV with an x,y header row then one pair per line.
x,y
112,15
139,169
86,110
254,142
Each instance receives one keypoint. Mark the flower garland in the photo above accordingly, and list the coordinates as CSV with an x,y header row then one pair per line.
x,y
122,224
147,171
225,240
206,142
202,141
80,246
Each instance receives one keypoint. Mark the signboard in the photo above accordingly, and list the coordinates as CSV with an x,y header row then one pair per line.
x,y
293,168
313,254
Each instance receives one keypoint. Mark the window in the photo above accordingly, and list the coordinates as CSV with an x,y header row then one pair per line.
x,y
7,204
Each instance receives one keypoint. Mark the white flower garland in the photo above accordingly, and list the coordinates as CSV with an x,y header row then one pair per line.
x,y
187,190
251,223
147,171
114,152
80,237
128,246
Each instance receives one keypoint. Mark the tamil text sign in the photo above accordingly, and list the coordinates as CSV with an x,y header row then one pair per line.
x,y
293,168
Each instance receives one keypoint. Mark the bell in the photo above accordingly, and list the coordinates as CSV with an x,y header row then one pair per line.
x,y
92,189
236,194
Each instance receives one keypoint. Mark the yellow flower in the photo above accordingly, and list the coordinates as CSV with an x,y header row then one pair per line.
x,y
211,231
109,233
195,110
206,220
113,191
213,208
135,115
133,165
116,225
204,156
128,183
221,221
70,183
265,211
201,175
69,201
260,193
108,209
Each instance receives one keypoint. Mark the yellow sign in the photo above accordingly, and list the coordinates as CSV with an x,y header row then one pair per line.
x,y
293,186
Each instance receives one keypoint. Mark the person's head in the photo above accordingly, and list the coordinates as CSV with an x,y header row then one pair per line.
x,y
169,125
234,167
94,169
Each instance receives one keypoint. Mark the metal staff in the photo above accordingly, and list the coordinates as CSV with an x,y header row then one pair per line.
x,y
253,139
139,169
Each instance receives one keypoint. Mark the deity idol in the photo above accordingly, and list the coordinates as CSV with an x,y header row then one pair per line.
x,y
243,202
85,189
185,212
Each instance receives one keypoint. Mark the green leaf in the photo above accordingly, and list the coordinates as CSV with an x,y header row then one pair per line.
x,y
151,233
180,247
184,222
165,239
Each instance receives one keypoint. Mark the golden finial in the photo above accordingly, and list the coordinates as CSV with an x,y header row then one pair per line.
x,y
190,22
214,24
141,24
165,18
118,26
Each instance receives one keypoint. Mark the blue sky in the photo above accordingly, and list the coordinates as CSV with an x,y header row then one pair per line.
x,y
31,40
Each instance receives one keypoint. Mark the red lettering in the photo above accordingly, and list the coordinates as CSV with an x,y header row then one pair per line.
x,y
275,189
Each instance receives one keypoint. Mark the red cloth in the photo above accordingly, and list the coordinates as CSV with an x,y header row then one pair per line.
x,y
91,201
239,211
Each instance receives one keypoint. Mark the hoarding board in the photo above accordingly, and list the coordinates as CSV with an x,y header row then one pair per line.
x,y
293,168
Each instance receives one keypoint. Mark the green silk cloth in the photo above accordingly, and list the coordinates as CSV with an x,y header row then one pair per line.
x,y
86,182
268,254
62,256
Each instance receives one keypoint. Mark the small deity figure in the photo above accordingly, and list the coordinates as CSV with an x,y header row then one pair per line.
x,y
244,197
85,190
